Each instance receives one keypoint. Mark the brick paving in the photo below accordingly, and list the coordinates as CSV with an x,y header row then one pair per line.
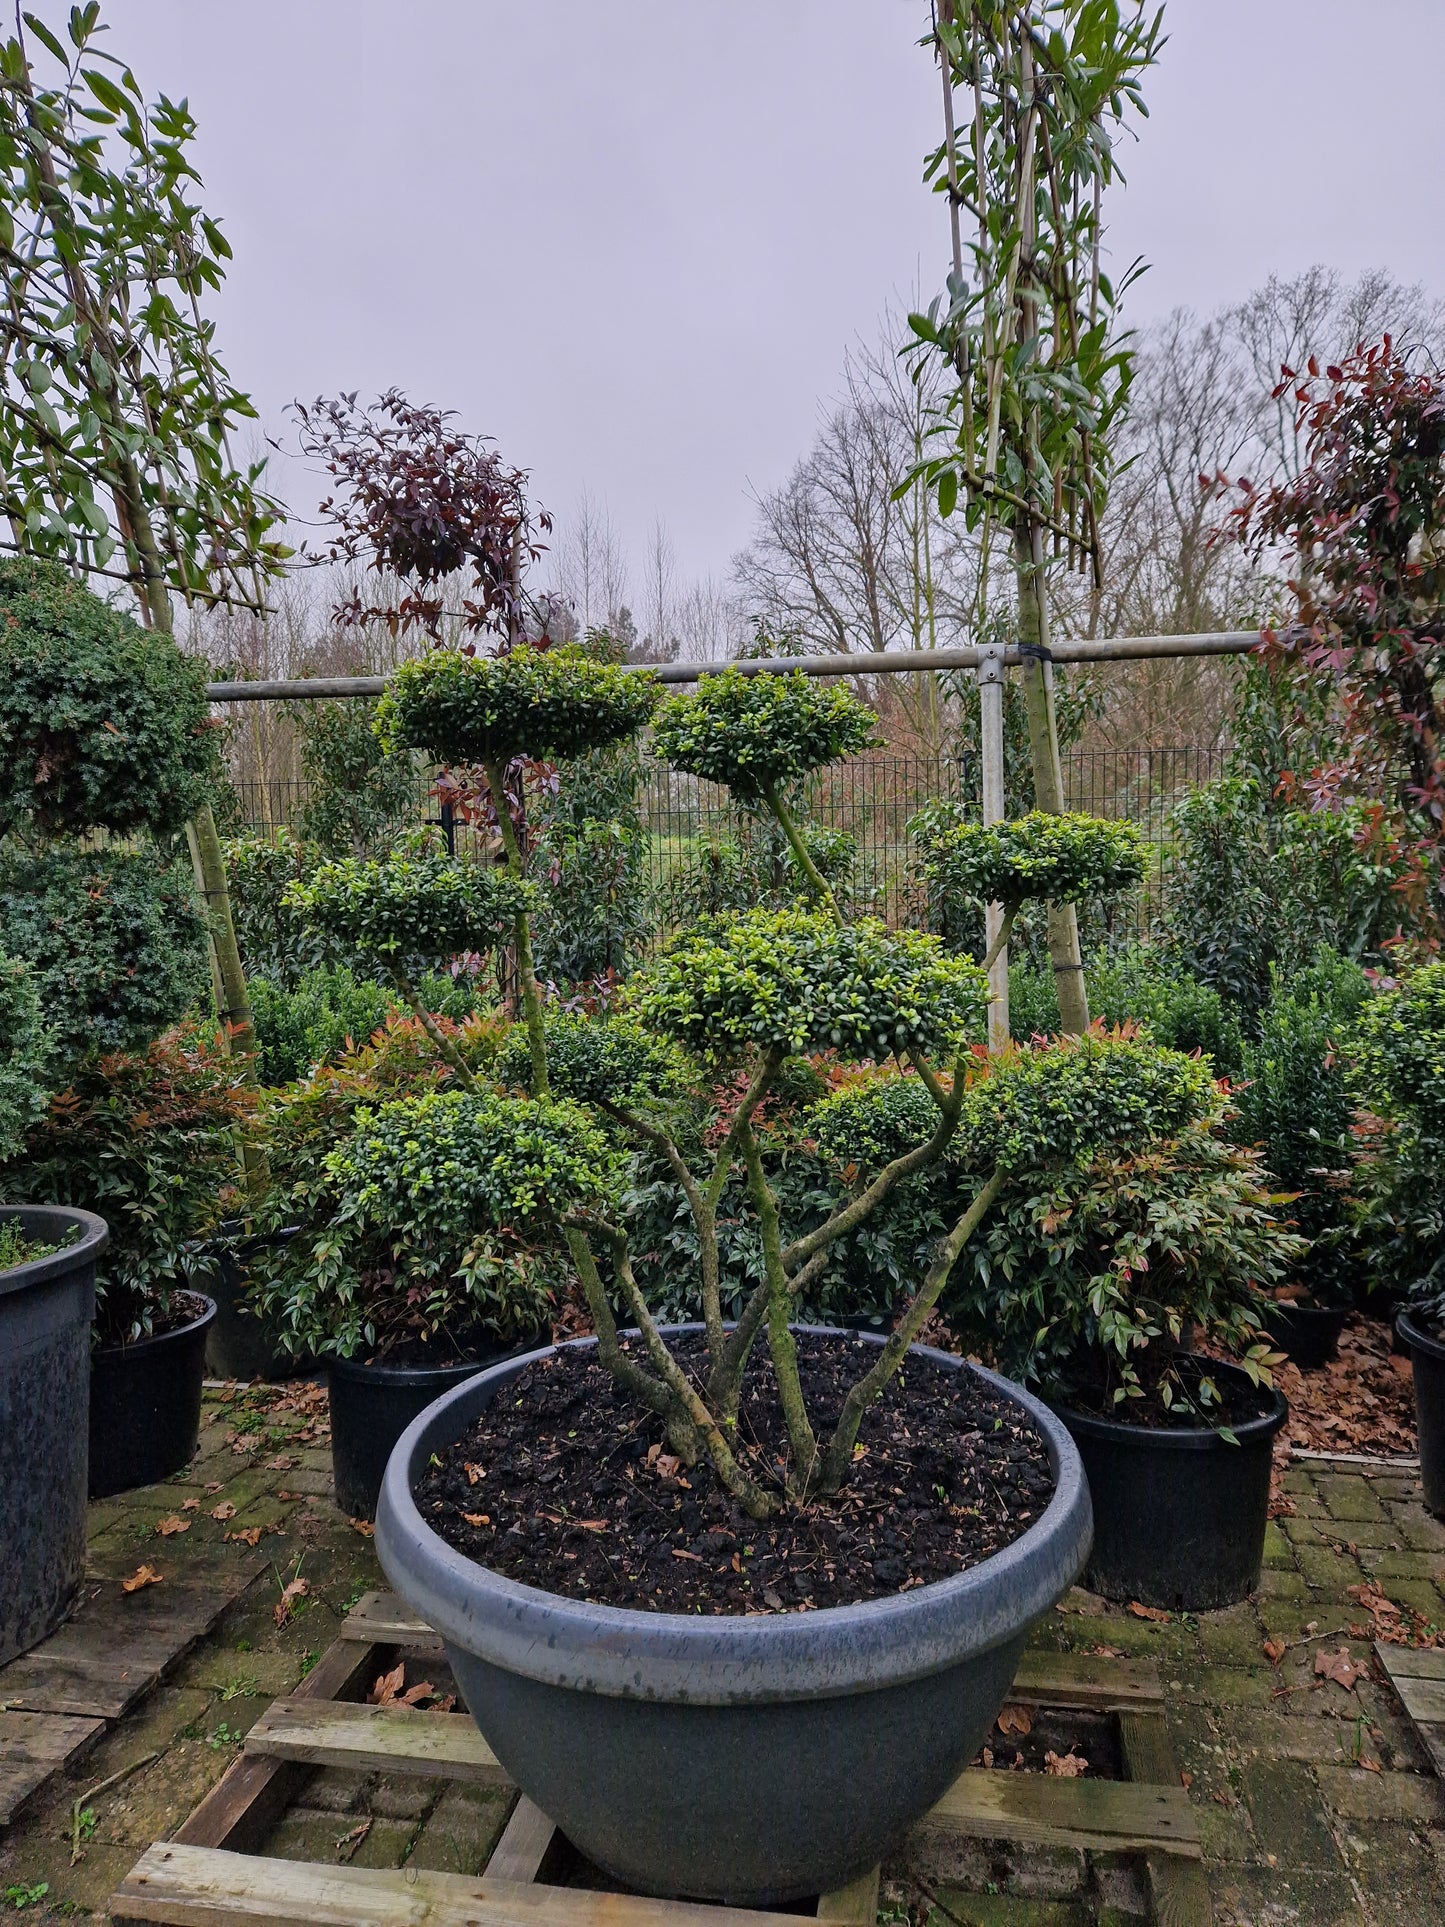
x,y
1316,1804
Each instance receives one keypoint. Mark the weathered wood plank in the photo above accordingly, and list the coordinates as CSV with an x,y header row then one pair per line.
x,y
115,1646
526,1841
1178,1887
381,1616
394,1739
1105,1816
856,1905
254,1791
1085,1680
199,1887
33,1746
1408,1662
1422,1699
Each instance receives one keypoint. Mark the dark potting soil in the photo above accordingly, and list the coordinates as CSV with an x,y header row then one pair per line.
x,y
1177,1374
185,1308
566,1485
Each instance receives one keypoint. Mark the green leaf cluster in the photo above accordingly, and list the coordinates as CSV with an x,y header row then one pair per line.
x,y
449,1162
870,1123
794,982
409,904
24,1055
1058,859
331,1009
1050,1105
600,1061
541,704
115,940
103,724
1400,1050
757,733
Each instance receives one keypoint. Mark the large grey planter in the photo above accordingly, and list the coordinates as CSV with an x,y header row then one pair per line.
x,y
45,1313
752,1759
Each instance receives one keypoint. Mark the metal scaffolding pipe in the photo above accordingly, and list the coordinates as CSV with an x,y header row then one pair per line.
x,y
897,662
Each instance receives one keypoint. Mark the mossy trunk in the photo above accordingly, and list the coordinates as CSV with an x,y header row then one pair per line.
x,y
1038,688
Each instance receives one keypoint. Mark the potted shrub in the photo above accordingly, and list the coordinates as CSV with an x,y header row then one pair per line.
x,y
1296,1107
395,1280
106,751
631,1611
47,1273
1400,1050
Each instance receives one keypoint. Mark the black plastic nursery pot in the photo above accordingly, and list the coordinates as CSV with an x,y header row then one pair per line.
x,y
1427,1360
45,1311
372,1405
1308,1334
1179,1512
752,1758
242,1343
145,1405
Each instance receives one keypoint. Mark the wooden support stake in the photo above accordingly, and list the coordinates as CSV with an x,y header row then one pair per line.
x,y
1179,1888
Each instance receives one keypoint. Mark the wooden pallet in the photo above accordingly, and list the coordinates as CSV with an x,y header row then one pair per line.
x,y
1419,1679
211,1874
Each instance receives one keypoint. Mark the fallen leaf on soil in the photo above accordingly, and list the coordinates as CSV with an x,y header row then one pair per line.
x,y
363,1526
190,1505
1395,1625
1274,1651
297,1589
477,1518
1147,1612
387,1686
1065,1766
168,1528
474,1473
1016,1721
348,1843
212,1489
247,1535
142,1576
1339,1667
1186,1780
1107,1652
225,1510
1016,1764
288,1498
282,1464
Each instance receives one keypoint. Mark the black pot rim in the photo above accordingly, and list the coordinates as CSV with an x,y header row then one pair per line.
x,y
95,1236
1184,1438
1288,1309
733,1658
162,1338
1420,1340
360,1371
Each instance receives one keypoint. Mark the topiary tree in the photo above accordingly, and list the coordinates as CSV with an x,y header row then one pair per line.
x,y
726,1005
24,1056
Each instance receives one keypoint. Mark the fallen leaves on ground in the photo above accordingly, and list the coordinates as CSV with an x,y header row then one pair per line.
x,y
1141,1611
477,1518
168,1528
391,1690
1341,1667
1274,1650
286,1604
225,1510
474,1473
364,1527
141,1577
1065,1766
1362,1401
190,1505
281,1463
1016,1720
288,1498
1395,1625
246,1535
212,1489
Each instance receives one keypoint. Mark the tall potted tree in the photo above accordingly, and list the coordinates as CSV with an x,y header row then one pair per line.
x,y
47,1283
734,1438
106,750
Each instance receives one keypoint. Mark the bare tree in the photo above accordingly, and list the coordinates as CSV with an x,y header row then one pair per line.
x,y
658,642
590,566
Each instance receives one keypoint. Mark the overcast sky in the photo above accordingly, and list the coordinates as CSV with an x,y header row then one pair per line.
x,y
633,240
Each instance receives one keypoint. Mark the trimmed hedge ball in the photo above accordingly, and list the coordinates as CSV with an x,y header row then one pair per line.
x,y
754,733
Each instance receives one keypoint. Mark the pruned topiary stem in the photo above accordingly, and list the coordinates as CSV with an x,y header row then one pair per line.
x,y
839,1457
522,933
780,1338
441,1042
817,882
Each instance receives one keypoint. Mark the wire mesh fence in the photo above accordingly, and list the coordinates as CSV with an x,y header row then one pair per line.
x,y
870,799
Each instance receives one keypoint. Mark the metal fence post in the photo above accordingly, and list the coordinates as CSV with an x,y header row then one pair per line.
x,y
990,733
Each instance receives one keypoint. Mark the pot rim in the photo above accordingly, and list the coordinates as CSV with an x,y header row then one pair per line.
x,y
363,1371
1185,1438
1417,1338
734,1658
136,1345
94,1238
